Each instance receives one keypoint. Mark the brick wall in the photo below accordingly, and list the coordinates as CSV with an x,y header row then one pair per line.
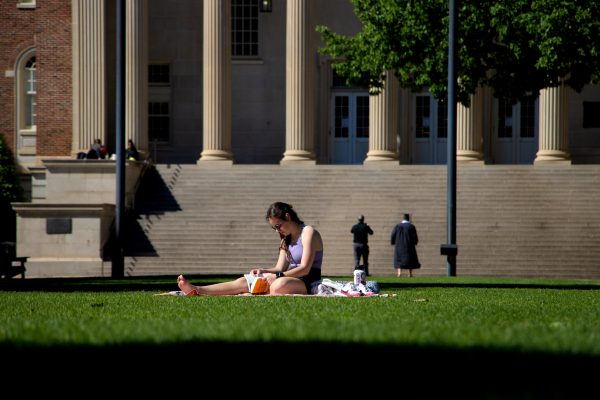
x,y
18,26
48,28
54,59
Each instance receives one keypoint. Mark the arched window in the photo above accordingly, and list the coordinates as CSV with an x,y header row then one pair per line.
x,y
26,112
29,93
26,91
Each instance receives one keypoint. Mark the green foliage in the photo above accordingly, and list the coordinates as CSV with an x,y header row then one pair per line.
x,y
10,190
517,47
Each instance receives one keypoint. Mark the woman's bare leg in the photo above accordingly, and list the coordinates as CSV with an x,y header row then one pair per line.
x,y
288,285
237,286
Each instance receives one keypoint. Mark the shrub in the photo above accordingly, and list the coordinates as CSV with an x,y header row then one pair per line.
x,y
10,190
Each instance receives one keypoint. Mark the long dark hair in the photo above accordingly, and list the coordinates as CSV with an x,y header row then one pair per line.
x,y
281,211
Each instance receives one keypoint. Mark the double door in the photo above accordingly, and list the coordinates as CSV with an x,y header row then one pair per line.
x,y
349,129
430,130
515,133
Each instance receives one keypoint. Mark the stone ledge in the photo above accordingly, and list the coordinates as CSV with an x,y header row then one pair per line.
x,y
42,209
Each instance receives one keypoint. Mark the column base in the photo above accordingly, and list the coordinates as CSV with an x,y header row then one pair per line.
x,y
298,156
469,157
381,156
220,156
553,157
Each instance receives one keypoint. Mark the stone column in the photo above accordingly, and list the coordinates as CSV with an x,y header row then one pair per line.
x,y
216,101
136,73
469,130
89,79
403,139
383,123
553,131
300,60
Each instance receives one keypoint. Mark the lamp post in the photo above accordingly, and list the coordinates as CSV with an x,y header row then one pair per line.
x,y
450,249
118,264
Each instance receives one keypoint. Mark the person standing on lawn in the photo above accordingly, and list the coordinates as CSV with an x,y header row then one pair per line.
x,y
361,232
405,239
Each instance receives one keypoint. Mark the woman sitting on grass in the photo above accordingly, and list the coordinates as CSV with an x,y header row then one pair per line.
x,y
298,265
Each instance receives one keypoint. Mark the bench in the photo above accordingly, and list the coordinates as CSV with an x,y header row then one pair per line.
x,y
10,265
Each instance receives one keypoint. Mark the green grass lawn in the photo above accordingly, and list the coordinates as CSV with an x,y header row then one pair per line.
x,y
429,323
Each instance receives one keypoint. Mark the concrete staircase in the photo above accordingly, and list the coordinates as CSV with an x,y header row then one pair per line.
x,y
513,221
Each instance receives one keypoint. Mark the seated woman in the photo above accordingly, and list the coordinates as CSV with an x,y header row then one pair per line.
x,y
132,152
298,265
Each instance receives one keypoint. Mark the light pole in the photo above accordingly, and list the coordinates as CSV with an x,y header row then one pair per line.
x,y
450,249
118,267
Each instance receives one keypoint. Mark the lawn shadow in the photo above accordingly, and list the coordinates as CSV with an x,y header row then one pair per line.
x,y
328,366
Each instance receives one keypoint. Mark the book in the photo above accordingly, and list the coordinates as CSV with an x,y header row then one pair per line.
x,y
260,285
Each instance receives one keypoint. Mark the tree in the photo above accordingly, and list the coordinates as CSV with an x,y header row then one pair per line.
x,y
516,47
10,190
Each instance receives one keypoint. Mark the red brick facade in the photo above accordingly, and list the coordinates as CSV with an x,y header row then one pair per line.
x,y
47,27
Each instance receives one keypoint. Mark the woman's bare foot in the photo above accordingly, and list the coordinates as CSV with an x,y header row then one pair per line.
x,y
186,287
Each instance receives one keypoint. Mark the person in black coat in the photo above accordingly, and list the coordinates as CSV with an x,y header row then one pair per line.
x,y
361,232
405,240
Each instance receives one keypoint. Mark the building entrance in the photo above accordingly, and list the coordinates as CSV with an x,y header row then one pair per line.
x,y
430,130
515,132
349,129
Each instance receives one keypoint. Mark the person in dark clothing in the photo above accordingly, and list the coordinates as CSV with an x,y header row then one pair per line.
x,y
405,240
361,233
95,151
132,152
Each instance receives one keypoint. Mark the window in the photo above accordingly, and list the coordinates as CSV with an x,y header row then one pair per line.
x,y
159,75
159,102
527,118
423,117
244,28
442,120
591,114
505,120
158,121
26,106
342,110
30,93
362,116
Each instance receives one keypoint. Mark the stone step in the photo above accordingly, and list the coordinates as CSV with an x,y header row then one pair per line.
x,y
511,220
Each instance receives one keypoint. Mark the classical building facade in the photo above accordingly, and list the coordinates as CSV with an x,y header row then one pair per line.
x,y
228,81
239,82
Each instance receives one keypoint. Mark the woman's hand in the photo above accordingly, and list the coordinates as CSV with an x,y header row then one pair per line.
x,y
255,271
270,277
